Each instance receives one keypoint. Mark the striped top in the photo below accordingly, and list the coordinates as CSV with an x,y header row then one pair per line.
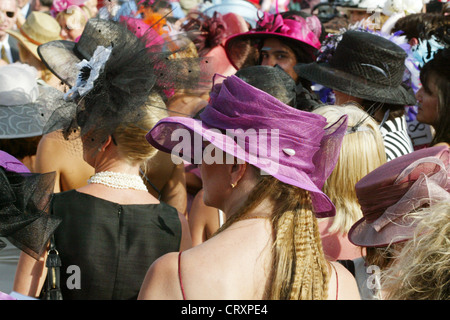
x,y
396,139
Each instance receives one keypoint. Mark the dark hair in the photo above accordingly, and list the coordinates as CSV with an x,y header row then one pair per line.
x,y
421,25
395,110
20,147
437,70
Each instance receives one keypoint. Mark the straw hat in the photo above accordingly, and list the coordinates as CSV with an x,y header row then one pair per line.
x,y
39,28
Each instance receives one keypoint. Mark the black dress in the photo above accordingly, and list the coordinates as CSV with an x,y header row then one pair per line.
x,y
106,248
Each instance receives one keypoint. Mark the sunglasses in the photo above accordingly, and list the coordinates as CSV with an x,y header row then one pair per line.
x,y
9,14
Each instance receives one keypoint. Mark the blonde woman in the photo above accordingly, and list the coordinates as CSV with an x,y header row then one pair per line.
x,y
122,155
362,151
422,265
72,21
269,247
113,228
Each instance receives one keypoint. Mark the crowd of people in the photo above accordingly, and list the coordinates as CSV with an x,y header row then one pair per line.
x,y
225,149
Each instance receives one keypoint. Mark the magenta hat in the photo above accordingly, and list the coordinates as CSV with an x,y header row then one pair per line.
x,y
305,32
292,145
393,190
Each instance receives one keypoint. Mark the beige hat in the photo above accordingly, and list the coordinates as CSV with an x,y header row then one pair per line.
x,y
39,28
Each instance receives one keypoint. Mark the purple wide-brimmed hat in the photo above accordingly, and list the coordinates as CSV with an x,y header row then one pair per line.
x,y
292,145
304,32
399,187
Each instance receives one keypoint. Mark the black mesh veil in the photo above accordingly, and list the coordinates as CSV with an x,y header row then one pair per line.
x,y
112,73
24,210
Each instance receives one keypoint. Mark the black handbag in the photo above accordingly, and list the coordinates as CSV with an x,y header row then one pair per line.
x,y
53,264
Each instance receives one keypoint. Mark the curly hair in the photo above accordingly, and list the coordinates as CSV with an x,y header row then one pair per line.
x,y
299,268
421,25
421,271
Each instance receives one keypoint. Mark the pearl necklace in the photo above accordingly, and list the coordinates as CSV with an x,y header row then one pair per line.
x,y
118,180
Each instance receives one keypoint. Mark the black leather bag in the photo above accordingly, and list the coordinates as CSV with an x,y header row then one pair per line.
x,y
53,264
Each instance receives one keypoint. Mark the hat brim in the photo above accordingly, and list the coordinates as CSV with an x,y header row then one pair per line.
x,y
244,8
238,54
363,234
324,74
29,120
20,121
161,137
60,58
31,47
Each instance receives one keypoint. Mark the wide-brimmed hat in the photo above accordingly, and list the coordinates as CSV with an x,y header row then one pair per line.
x,y
38,28
292,145
211,34
399,187
114,72
303,32
25,104
61,57
364,65
241,7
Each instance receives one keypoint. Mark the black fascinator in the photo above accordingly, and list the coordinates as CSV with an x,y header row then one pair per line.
x,y
111,73
24,203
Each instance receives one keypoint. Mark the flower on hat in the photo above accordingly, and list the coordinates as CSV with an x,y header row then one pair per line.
x,y
88,73
61,5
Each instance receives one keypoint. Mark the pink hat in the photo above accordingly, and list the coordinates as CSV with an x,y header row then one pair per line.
x,y
292,145
393,190
212,34
305,32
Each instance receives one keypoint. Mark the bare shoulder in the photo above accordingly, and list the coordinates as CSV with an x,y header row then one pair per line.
x,y
345,284
161,281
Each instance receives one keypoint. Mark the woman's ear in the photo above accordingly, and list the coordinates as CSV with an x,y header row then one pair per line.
x,y
105,143
237,172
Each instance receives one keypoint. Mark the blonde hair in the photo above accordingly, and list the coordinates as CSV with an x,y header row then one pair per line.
x,y
74,16
130,137
29,58
299,268
362,151
421,270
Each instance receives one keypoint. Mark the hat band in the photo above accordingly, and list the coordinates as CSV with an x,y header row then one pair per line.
x,y
29,39
384,70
